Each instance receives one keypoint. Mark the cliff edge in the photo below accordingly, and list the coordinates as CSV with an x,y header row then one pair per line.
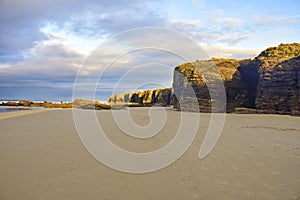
x,y
269,83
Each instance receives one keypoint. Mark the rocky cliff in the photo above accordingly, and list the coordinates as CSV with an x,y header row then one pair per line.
x,y
279,74
268,83
191,91
161,96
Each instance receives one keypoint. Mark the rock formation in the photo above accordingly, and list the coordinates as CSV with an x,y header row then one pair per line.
x,y
267,84
88,104
279,75
160,96
191,91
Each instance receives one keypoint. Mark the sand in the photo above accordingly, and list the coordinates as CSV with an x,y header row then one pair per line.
x,y
6,115
256,157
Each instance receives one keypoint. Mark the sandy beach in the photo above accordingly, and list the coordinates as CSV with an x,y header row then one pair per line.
x,y
6,115
42,157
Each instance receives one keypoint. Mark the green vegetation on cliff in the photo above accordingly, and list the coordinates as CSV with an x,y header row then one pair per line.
x,y
283,51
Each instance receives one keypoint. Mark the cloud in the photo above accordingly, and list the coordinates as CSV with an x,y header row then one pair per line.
x,y
226,31
21,22
55,66
199,3
224,23
47,73
221,51
265,21
45,64
234,38
216,28
188,27
106,20
228,22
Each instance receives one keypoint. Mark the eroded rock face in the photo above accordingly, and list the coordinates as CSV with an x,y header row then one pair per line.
x,y
268,84
162,96
199,85
190,90
278,87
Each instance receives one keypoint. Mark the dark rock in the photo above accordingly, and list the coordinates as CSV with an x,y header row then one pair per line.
x,y
280,91
191,92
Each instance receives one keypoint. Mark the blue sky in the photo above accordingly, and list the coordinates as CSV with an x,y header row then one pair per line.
x,y
43,45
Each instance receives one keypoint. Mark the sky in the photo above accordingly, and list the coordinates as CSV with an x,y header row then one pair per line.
x,y
46,47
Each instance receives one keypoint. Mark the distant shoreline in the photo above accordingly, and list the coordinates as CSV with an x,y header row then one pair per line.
x,y
25,104
4,109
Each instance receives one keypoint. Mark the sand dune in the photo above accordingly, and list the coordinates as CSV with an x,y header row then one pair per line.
x,y
256,157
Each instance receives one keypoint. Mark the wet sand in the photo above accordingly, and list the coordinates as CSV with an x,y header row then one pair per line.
x,y
42,157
